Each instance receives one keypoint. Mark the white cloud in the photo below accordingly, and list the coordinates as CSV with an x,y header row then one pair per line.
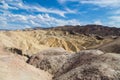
x,y
64,1
113,21
98,22
18,4
42,20
17,21
45,10
100,3
61,1
113,24
115,12
115,18
5,6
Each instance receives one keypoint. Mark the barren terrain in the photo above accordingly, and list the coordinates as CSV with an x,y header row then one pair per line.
x,y
61,53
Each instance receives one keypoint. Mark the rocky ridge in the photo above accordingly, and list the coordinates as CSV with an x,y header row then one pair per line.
x,y
84,65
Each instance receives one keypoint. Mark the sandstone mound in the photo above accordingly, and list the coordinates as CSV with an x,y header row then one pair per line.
x,y
13,67
85,65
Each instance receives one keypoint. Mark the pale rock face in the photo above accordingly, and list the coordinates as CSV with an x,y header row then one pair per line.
x,y
13,67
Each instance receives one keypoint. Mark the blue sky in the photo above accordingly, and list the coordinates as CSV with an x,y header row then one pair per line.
x,y
17,14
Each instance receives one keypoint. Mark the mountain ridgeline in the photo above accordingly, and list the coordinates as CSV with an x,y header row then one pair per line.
x,y
89,29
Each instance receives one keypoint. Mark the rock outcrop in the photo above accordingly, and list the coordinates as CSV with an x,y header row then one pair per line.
x,y
84,65
13,67
50,60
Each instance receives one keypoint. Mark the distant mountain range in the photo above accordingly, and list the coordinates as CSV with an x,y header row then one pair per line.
x,y
90,29
86,29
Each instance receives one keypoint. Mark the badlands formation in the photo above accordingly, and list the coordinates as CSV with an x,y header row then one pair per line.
x,y
32,41
62,53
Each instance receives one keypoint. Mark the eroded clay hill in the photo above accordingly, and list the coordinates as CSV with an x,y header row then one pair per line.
x,y
32,41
